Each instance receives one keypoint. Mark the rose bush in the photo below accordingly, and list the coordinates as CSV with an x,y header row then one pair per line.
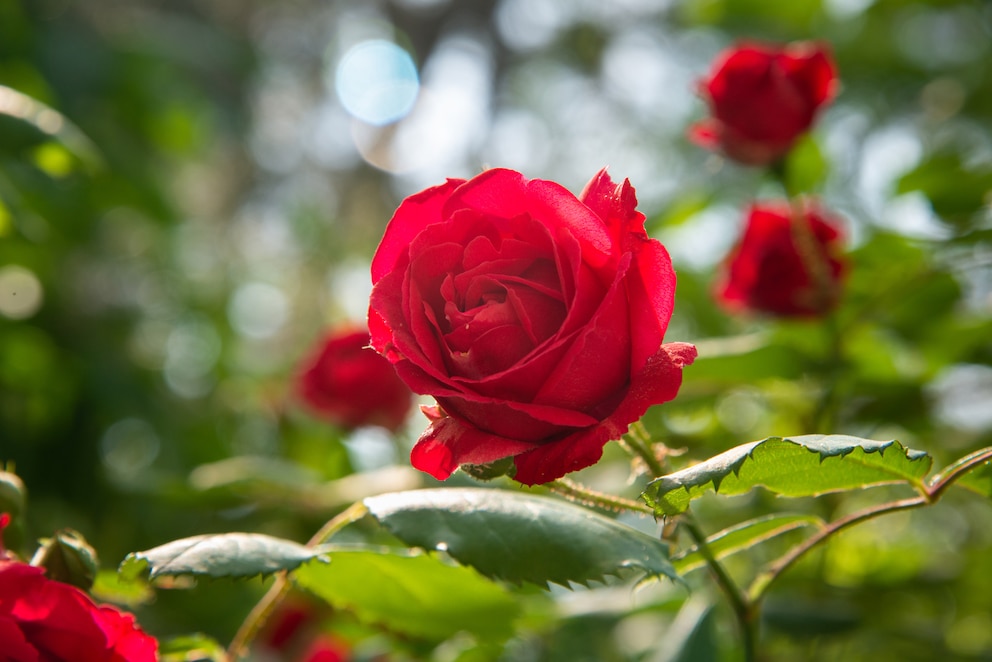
x,y
47,621
788,262
347,383
762,98
534,318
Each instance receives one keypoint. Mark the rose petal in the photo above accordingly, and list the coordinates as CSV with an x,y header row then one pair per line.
x,y
448,443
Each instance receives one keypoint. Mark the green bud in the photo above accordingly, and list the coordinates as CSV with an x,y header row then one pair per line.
x,y
67,558
13,495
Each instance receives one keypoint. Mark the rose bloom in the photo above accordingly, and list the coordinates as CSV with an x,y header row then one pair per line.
x,y
534,318
346,382
785,264
762,98
47,621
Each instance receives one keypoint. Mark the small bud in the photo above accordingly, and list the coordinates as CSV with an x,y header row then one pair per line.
x,y
13,494
67,558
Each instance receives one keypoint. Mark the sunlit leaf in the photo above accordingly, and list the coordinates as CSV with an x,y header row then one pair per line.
x,y
219,555
805,167
198,647
799,466
519,537
745,536
978,478
415,593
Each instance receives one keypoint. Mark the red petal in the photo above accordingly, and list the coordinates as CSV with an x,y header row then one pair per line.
x,y
448,443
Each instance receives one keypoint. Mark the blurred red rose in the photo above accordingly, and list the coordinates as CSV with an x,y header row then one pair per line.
x,y
762,98
45,620
347,383
787,263
533,317
326,648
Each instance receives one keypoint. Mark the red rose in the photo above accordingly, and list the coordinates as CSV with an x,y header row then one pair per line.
x,y
47,621
787,263
534,318
763,98
346,382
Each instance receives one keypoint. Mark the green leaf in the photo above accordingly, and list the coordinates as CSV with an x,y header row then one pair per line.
x,y
413,593
977,478
805,167
219,555
799,466
519,537
955,190
197,647
693,636
744,536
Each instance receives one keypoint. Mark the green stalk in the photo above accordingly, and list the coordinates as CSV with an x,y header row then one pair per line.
x,y
261,612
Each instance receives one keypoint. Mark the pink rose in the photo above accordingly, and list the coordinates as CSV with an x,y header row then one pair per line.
x,y
784,265
47,621
347,383
762,98
534,318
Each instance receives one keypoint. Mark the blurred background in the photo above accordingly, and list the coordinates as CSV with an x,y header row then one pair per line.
x,y
191,193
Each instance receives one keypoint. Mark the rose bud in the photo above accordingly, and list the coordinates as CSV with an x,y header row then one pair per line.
x,y
344,381
762,98
788,262
533,317
42,619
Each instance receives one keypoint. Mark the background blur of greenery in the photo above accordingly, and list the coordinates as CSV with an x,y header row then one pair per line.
x,y
200,206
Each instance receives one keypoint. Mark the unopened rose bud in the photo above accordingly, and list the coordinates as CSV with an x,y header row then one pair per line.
x,y
68,558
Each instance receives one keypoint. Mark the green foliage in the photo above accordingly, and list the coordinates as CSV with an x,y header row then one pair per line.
x,y
413,593
519,537
219,555
198,647
744,536
807,465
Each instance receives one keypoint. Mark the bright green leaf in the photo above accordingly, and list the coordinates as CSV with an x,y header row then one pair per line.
x,y
519,537
110,586
805,167
197,647
219,555
977,478
415,594
799,466
745,536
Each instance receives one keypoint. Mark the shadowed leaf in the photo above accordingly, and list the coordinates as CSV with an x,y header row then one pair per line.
x,y
519,537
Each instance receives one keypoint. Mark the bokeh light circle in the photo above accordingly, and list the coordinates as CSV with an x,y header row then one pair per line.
x,y
377,82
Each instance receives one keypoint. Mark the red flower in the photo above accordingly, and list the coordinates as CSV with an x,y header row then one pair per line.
x,y
45,620
534,318
763,98
787,263
346,382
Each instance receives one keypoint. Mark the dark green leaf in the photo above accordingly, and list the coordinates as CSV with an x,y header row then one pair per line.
x,y
954,190
799,466
692,636
415,594
519,537
745,536
219,555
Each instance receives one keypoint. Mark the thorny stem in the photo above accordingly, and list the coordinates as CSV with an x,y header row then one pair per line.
x,y
639,441
261,612
581,494
765,579
949,475
744,609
